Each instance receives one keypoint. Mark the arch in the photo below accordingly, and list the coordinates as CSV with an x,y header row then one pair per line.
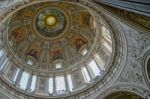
x,y
123,95
146,67
122,90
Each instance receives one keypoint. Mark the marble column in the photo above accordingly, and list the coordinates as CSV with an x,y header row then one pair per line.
x,y
18,78
47,85
66,83
37,83
73,81
29,83
54,85
91,77
2,59
7,65
14,74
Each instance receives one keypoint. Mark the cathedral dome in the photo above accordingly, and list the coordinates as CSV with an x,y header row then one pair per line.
x,y
45,34
55,49
74,49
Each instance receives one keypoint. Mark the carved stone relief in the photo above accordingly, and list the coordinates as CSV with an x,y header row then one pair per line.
x,y
137,43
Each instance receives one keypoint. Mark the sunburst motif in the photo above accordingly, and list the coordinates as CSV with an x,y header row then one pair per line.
x,y
51,22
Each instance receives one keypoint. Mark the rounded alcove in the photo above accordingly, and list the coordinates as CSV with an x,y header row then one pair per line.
x,y
123,95
148,68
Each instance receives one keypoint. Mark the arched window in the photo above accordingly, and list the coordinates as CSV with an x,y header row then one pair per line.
x,y
85,74
106,33
33,83
108,47
4,63
50,85
30,62
84,52
58,65
24,80
60,84
99,61
70,82
1,52
93,66
10,72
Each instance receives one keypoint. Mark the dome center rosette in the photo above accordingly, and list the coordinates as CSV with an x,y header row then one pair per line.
x,y
51,23
50,20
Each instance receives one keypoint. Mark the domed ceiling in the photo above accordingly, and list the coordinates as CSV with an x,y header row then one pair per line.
x,y
44,34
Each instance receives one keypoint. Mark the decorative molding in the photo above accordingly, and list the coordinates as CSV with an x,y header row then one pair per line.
x,y
137,20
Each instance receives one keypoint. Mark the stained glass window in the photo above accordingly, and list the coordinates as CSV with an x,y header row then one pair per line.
x,y
16,74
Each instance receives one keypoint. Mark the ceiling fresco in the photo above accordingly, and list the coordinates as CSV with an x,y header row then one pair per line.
x,y
51,22
50,33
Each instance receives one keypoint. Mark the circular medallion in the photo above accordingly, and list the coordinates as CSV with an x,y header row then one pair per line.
x,y
50,22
